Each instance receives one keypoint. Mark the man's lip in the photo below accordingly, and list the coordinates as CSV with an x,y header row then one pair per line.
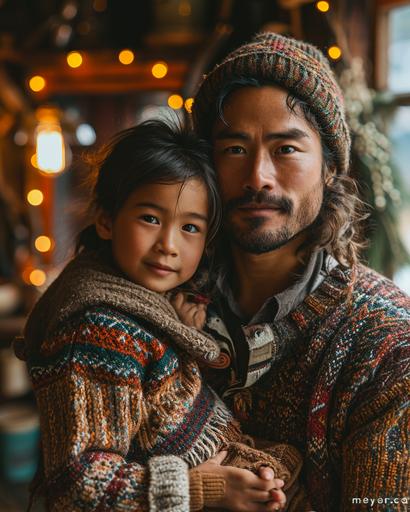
x,y
160,266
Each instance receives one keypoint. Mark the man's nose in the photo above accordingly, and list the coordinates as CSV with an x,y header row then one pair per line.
x,y
167,242
262,173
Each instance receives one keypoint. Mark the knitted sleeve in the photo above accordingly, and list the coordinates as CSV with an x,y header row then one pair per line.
x,y
376,452
88,385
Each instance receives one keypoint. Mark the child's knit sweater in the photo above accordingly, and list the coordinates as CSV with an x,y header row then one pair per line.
x,y
124,413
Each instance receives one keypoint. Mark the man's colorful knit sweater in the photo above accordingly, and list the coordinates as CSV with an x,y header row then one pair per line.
x,y
338,389
124,413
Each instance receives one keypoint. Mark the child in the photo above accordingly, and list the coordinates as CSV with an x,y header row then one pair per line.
x,y
124,411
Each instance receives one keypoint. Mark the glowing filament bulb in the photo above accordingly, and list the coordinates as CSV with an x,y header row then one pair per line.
x,y
50,149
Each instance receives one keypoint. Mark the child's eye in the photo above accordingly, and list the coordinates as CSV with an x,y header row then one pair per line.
x,y
150,219
191,228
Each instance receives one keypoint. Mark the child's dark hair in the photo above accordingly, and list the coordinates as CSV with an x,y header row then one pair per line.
x,y
151,152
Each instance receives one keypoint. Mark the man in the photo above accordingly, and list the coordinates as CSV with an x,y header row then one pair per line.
x,y
319,344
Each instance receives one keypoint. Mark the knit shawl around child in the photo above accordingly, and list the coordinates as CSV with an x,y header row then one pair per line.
x,y
124,413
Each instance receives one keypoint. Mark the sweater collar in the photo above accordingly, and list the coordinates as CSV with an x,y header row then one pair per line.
x,y
255,347
90,280
278,306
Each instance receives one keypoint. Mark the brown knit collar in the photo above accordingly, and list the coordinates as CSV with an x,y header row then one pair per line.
x,y
90,280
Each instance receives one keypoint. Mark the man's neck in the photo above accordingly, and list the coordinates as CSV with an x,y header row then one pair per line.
x,y
260,276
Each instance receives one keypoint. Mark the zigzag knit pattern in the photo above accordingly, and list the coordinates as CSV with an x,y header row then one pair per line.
x,y
340,392
123,396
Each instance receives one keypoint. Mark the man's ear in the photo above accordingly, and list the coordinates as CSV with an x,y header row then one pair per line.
x,y
103,225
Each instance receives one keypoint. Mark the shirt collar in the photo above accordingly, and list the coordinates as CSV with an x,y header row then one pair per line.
x,y
279,305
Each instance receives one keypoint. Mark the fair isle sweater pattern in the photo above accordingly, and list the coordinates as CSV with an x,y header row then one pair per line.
x,y
339,390
123,396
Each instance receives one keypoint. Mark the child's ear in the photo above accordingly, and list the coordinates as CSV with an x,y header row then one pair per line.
x,y
103,225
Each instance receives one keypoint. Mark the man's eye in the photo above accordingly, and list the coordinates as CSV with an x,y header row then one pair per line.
x,y
150,219
235,150
286,150
191,228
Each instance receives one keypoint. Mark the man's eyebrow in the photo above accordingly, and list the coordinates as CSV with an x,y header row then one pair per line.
x,y
227,134
293,133
194,215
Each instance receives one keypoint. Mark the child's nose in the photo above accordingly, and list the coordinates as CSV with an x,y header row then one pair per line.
x,y
167,243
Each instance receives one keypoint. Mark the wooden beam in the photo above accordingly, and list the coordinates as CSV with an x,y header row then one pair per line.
x,y
102,73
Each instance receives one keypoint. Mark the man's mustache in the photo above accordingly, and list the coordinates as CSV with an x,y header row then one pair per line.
x,y
263,198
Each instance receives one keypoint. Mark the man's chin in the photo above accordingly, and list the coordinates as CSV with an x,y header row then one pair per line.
x,y
260,242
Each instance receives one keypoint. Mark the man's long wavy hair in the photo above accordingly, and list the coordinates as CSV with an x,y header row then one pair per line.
x,y
337,228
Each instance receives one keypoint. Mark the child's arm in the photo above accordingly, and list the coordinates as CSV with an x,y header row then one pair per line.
x,y
88,388
89,393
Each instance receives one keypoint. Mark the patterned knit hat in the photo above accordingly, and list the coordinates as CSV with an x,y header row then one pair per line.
x,y
299,68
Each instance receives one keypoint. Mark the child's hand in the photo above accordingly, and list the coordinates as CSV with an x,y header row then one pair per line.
x,y
245,491
191,314
277,495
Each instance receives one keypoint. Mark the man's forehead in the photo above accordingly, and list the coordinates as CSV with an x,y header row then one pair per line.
x,y
265,109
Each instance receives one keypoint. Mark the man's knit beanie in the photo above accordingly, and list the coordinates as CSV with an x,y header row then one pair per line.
x,y
297,67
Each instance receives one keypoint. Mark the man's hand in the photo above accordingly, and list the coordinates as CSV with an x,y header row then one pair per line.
x,y
244,491
190,313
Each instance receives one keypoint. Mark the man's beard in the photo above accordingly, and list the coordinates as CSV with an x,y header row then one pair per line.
x,y
254,239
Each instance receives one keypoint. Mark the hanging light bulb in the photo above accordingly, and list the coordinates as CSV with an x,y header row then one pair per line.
x,y
50,149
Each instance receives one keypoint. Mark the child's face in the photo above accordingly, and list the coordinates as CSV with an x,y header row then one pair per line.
x,y
158,236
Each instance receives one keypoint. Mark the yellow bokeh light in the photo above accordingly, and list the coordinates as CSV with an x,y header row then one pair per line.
x,y
74,59
159,70
322,6
35,197
42,243
37,83
175,101
33,161
188,104
126,57
37,277
334,52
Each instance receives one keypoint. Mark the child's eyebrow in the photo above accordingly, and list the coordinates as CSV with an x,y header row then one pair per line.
x,y
155,206
196,215
150,205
